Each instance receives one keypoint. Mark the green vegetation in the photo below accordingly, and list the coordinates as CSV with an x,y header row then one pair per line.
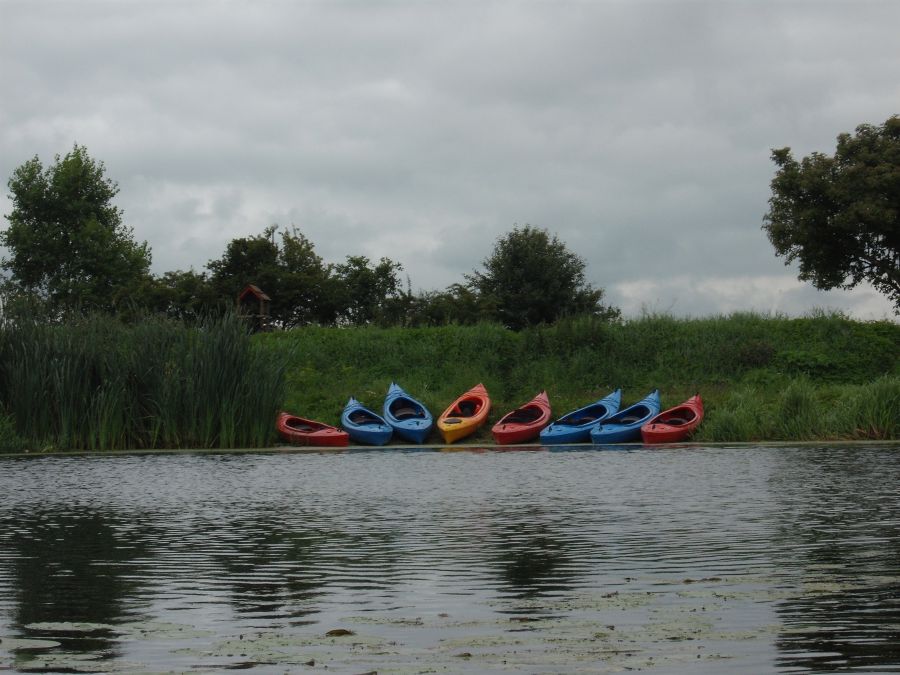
x,y
66,238
840,216
762,378
70,250
96,383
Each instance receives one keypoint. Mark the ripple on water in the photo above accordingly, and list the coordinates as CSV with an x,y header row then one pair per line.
x,y
461,562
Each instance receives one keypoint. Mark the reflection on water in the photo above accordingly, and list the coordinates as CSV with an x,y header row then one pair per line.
x,y
841,524
676,560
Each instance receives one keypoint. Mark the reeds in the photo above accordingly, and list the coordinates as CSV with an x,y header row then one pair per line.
x,y
802,411
95,383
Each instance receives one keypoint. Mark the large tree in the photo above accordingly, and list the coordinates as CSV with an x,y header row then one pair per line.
x,y
66,240
840,216
289,271
532,278
368,293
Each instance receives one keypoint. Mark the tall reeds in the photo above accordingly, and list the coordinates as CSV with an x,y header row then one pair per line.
x,y
99,384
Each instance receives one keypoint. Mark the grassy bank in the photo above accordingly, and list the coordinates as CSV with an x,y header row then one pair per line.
x,y
99,384
762,378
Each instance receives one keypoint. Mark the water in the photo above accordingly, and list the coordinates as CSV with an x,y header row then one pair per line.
x,y
688,560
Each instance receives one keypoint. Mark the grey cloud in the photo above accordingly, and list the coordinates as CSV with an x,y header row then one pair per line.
x,y
639,132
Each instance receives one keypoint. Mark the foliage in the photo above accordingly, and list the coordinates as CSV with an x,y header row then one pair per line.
x,y
532,278
303,289
366,290
185,296
67,241
840,216
100,384
10,441
744,366
456,305
289,271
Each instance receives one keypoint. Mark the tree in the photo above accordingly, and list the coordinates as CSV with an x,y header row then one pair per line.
x,y
66,239
840,216
367,291
289,271
457,304
532,278
181,295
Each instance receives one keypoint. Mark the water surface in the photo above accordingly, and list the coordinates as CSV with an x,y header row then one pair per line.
x,y
680,560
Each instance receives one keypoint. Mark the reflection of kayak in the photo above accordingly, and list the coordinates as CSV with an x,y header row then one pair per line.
x,y
465,414
674,424
409,418
363,425
524,423
301,431
575,427
625,425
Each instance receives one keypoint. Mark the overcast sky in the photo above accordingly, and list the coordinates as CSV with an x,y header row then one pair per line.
x,y
639,132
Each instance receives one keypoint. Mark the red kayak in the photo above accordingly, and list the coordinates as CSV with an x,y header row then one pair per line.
x,y
524,423
675,424
300,431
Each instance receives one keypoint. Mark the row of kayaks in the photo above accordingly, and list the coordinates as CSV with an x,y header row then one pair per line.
x,y
601,422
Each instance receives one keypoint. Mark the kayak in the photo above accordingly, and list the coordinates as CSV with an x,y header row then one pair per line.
x,y
465,414
524,423
408,418
363,425
575,427
675,424
301,431
625,425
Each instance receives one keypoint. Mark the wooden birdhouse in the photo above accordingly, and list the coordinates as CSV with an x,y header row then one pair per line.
x,y
253,305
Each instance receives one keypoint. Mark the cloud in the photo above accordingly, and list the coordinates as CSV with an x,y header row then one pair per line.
x,y
639,132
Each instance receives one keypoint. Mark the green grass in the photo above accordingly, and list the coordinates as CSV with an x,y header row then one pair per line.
x,y
761,377
101,384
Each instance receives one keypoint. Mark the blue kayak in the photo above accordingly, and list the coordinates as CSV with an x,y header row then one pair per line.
x,y
625,425
409,418
363,425
575,427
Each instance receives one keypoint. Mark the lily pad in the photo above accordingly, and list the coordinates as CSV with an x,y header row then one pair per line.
x,y
10,644
72,627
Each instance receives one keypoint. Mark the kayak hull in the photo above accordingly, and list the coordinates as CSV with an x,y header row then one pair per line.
x,y
301,431
409,418
524,423
675,424
576,426
465,415
625,425
363,425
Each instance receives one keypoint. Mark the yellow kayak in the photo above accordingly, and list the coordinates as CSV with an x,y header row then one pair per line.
x,y
465,414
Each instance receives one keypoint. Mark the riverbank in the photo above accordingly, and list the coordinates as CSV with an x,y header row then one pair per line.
x,y
762,378
100,384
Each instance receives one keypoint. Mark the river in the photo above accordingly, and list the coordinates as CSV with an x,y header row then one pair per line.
x,y
677,560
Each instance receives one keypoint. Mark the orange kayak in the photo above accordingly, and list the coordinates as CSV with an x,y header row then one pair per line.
x,y
465,414
675,424
523,423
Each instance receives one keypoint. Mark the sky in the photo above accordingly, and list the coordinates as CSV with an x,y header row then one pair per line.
x,y
638,132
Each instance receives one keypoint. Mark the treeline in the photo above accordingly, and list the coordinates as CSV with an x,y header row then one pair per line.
x,y
70,251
